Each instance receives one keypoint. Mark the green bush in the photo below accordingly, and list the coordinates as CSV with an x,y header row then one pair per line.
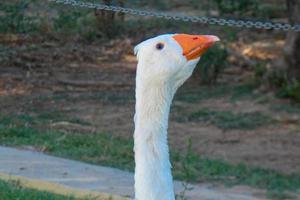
x,y
67,21
14,19
212,64
286,88
290,90
236,7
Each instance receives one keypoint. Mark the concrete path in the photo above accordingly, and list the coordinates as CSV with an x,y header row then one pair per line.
x,y
80,175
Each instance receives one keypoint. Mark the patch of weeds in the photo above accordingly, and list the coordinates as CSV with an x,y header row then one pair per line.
x,y
242,91
104,96
6,120
16,134
78,23
190,166
212,64
67,22
39,118
200,93
93,148
286,87
117,152
240,8
270,11
279,79
230,120
87,26
16,120
13,190
290,90
51,115
250,8
14,19
293,109
89,35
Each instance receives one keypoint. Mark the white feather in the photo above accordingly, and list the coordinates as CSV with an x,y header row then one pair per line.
x,y
159,74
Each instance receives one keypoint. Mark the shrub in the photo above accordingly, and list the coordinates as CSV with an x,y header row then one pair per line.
x,y
212,64
286,87
67,21
236,7
290,90
14,19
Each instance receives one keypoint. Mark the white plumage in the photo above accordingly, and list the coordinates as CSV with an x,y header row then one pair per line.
x,y
164,64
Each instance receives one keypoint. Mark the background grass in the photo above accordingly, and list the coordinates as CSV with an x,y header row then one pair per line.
x,y
12,190
206,92
117,152
229,120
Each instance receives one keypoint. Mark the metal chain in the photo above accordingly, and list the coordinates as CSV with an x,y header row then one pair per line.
x,y
195,19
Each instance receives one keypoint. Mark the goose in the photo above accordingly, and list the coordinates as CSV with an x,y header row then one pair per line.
x,y
165,62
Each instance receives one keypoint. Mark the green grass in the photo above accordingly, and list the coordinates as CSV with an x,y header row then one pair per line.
x,y
12,190
206,92
14,19
292,109
228,119
117,152
92,148
192,95
195,168
111,97
39,118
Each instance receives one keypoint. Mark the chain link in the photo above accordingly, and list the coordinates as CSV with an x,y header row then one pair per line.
x,y
195,19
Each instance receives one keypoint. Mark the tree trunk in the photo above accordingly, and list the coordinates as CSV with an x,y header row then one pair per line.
x,y
291,54
286,71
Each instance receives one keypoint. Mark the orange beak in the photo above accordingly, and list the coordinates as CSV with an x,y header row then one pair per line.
x,y
195,45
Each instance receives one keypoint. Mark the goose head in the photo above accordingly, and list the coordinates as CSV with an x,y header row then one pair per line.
x,y
171,58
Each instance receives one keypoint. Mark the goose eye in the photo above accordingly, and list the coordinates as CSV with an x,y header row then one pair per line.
x,y
160,46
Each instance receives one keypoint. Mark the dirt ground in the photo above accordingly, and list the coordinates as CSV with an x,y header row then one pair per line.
x,y
95,83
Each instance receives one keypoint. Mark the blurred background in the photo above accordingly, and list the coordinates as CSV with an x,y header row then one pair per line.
x,y
67,78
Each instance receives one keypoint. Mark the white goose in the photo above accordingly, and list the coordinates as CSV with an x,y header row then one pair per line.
x,y
165,62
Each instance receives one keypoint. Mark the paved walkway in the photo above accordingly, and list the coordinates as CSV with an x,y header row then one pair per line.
x,y
80,175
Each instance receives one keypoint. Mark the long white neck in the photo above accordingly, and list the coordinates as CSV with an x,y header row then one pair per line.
x,y
153,178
